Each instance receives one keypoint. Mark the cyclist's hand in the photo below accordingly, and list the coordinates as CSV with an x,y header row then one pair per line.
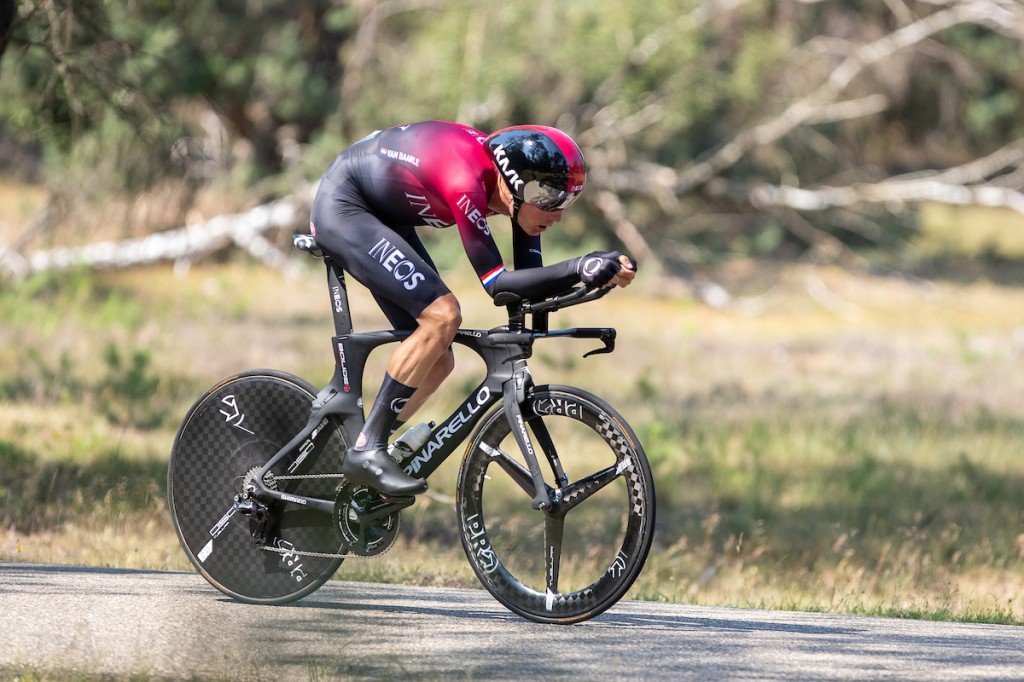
x,y
607,268
599,267
625,276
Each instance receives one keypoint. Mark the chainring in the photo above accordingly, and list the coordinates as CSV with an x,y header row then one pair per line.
x,y
365,539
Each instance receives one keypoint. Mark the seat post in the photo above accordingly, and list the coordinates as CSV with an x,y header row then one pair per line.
x,y
339,298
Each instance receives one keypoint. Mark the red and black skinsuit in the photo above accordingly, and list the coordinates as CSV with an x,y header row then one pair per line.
x,y
436,174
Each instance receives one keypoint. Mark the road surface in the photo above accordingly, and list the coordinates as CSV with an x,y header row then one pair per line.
x,y
150,624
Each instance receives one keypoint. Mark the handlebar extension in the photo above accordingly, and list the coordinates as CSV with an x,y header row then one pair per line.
x,y
575,296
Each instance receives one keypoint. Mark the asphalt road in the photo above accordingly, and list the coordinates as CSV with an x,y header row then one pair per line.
x,y
73,619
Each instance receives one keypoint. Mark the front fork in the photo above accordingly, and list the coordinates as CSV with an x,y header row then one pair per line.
x,y
515,392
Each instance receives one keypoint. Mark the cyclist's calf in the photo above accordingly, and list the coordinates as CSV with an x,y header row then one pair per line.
x,y
438,373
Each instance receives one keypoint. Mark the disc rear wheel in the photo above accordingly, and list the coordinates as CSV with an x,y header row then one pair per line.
x,y
228,435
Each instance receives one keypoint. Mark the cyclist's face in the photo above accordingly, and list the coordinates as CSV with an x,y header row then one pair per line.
x,y
534,220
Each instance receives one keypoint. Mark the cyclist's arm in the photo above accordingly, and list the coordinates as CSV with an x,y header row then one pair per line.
x,y
529,282
526,251
599,268
538,282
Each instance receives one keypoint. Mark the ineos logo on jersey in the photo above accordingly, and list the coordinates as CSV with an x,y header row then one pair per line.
x,y
425,210
395,262
474,214
591,266
397,404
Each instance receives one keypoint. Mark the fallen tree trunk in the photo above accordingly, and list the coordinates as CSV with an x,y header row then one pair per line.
x,y
185,243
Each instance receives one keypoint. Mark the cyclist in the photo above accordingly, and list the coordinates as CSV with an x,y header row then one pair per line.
x,y
435,173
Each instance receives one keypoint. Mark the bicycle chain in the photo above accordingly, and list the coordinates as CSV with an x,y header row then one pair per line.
x,y
323,555
296,477
316,555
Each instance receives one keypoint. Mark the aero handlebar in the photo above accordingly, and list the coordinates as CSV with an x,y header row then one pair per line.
x,y
576,296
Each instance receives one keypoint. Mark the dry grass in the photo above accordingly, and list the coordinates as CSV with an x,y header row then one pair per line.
x,y
831,440
18,203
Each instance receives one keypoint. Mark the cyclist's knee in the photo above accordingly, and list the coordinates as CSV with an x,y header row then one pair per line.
x,y
442,318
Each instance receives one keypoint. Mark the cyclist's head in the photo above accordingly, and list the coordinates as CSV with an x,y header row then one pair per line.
x,y
539,165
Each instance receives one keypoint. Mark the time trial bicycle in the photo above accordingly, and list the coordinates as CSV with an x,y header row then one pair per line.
x,y
263,514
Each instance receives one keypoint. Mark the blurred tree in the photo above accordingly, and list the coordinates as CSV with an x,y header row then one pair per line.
x,y
850,94
69,87
7,14
122,97
710,126
267,69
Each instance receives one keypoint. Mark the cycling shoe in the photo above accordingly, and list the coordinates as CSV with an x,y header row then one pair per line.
x,y
376,469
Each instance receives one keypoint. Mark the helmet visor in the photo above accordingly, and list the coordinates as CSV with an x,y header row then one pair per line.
x,y
547,198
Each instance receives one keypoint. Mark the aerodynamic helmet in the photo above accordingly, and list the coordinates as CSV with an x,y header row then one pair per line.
x,y
540,165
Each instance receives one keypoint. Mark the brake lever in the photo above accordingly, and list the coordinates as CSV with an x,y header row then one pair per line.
x,y
608,338
605,334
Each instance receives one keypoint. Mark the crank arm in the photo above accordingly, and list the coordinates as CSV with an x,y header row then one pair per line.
x,y
381,508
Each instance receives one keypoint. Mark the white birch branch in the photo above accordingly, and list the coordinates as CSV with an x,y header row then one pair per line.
x,y
970,183
889,191
245,229
805,109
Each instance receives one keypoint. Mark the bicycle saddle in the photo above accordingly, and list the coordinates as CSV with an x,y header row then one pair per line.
x,y
307,243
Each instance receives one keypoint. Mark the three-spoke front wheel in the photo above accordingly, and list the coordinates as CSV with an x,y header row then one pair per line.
x,y
576,559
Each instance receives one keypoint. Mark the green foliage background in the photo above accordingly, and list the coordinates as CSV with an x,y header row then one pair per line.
x,y
253,97
827,442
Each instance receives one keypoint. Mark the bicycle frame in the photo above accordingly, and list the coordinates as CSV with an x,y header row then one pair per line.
x,y
504,351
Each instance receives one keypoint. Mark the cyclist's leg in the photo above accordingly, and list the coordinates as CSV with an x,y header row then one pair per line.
x,y
438,373
435,375
381,258
415,358
424,359
400,319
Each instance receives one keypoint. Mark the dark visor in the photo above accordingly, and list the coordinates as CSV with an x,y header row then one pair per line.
x,y
547,198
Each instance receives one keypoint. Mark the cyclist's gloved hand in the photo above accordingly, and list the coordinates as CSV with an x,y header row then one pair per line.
x,y
599,267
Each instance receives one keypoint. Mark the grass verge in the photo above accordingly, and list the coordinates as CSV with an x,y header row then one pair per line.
x,y
831,441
